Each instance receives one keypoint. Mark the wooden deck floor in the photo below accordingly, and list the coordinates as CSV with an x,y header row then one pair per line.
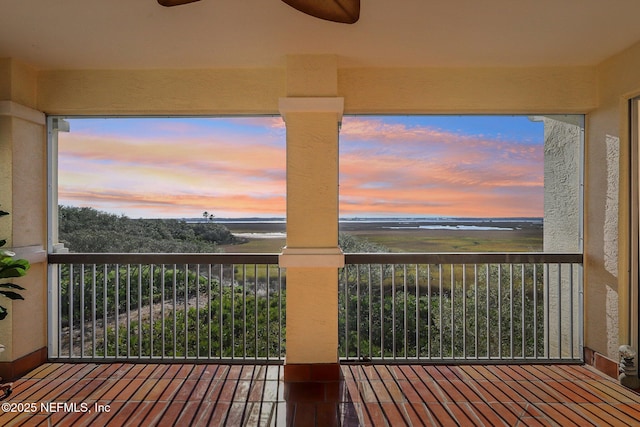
x,y
120,394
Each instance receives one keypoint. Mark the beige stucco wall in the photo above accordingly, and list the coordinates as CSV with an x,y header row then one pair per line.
x,y
23,194
468,90
378,90
190,92
607,288
6,172
598,91
18,82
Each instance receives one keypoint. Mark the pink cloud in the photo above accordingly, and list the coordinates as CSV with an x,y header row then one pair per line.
x,y
168,176
385,168
190,205
425,171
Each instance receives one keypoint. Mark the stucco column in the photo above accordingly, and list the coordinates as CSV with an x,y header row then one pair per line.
x,y
23,194
312,256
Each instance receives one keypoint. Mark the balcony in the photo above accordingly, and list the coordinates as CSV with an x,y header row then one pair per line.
x,y
492,307
424,339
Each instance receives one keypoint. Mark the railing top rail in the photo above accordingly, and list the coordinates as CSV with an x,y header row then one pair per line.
x,y
464,258
162,258
350,258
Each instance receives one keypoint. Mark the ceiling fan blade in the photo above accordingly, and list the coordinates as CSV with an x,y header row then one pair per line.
x,y
169,3
343,11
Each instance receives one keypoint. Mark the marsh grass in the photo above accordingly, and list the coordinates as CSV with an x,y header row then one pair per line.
x,y
523,239
436,241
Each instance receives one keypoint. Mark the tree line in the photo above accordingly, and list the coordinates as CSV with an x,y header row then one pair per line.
x,y
90,230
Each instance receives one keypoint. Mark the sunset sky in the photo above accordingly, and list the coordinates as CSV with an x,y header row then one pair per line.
x,y
235,167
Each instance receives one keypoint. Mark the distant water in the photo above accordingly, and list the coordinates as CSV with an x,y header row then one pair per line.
x,y
451,227
261,235
442,220
242,220
400,223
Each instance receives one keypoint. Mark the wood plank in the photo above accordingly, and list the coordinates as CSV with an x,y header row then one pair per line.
x,y
220,394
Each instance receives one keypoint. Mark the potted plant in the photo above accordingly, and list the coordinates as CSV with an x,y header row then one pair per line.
x,y
9,268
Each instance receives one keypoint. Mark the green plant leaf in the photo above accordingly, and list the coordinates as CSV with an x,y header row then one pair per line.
x,y
10,267
11,295
11,262
12,272
12,286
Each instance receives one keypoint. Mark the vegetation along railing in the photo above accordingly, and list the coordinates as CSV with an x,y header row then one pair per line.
x,y
167,307
493,307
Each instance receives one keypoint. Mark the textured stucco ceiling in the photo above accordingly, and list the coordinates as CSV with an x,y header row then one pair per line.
x,y
124,34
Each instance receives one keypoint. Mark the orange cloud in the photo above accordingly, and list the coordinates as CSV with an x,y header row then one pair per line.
x,y
394,169
166,205
181,168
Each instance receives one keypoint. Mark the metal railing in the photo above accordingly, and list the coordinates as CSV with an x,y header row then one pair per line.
x,y
494,307
393,307
166,307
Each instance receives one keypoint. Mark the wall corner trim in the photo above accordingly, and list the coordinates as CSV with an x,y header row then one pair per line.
x,y
34,254
13,109
311,257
